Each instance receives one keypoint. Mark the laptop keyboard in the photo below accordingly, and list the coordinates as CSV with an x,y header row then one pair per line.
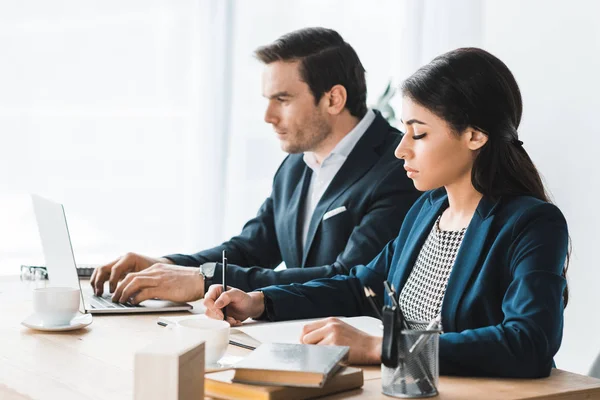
x,y
105,301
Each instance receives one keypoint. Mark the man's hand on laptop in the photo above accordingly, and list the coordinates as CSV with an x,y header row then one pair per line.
x,y
119,268
160,281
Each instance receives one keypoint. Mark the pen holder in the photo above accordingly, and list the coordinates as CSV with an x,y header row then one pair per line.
x,y
417,372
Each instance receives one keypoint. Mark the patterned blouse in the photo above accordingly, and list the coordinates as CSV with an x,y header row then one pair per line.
x,y
422,295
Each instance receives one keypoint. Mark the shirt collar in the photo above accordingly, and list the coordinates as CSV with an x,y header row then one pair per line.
x,y
344,146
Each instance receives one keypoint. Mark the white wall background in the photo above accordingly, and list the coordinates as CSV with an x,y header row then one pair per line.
x,y
101,108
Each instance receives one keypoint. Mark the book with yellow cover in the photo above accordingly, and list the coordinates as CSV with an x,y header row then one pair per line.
x,y
220,385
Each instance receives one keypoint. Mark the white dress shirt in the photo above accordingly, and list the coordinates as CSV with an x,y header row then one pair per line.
x,y
324,173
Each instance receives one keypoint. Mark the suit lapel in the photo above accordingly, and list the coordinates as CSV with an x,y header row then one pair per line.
x,y
359,161
295,216
467,260
415,240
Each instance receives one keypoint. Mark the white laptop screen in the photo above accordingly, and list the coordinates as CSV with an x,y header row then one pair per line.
x,y
56,242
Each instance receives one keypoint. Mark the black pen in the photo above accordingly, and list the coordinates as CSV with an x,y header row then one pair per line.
x,y
392,294
224,283
242,345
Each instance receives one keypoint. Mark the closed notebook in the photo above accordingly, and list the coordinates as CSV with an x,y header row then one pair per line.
x,y
220,385
287,364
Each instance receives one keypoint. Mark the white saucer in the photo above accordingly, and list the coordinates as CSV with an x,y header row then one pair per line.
x,y
35,322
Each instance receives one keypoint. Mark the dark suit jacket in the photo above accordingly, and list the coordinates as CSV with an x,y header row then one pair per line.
x,y
502,313
372,185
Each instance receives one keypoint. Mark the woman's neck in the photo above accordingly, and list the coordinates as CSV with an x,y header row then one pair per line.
x,y
463,200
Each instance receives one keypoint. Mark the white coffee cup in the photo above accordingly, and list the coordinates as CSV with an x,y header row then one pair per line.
x,y
56,306
214,333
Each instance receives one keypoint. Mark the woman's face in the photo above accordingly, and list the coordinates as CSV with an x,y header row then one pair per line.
x,y
435,156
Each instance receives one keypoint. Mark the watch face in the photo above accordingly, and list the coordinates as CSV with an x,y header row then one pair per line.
x,y
208,269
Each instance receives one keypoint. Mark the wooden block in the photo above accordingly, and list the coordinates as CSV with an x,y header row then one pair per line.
x,y
170,369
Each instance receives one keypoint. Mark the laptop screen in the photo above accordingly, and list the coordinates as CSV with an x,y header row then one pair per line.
x,y
56,243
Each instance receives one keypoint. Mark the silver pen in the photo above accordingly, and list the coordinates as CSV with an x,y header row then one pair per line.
x,y
420,342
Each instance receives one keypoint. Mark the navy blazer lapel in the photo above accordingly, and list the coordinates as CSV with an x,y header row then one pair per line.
x,y
415,240
295,216
362,157
467,260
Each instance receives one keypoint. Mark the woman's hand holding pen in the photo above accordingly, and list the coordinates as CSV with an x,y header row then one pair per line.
x,y
364,348
240,305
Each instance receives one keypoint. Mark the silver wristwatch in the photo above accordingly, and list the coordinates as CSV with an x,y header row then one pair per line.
x,y
207,270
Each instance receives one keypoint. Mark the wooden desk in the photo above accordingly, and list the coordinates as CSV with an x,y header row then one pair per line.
x,y
97,362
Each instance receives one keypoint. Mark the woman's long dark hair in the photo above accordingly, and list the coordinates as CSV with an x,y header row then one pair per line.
x,y
469,87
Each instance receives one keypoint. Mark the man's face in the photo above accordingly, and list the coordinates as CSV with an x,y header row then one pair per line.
x,y
299,123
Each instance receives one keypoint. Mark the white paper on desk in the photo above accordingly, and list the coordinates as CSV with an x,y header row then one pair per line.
x,y
254,333
290,331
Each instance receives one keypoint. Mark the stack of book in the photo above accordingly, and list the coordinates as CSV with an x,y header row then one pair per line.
x,y
286,371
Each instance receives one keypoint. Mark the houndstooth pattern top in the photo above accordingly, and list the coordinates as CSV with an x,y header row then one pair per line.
x,y
422,295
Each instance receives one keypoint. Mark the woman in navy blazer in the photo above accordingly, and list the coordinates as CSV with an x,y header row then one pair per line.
x,y
502,310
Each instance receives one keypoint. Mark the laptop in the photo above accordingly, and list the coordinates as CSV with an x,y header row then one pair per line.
x,y
62,270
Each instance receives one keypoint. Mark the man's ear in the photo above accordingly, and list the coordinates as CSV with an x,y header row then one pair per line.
x,y
335,99
475,139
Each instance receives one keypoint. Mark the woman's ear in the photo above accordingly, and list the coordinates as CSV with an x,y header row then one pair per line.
x,y
475,139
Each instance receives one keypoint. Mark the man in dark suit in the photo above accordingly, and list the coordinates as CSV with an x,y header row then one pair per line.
x,y
337,199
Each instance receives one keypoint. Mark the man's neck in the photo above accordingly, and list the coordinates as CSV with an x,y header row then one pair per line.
x,y
340,127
